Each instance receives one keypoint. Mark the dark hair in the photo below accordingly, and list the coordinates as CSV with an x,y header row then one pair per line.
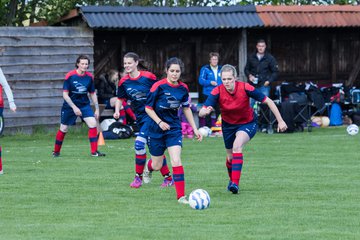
x,y
260,41
81,57
111,73
132,55
174,60
214,54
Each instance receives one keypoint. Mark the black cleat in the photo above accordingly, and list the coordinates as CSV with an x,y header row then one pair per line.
x,y
98,154
56,154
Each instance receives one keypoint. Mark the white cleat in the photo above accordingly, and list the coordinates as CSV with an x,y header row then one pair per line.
x,y
183,200
147,174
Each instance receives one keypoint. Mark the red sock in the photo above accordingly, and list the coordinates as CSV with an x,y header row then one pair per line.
x,y
179,180
228,166
150,165
93,139
0,162
237,163
140,164
165,170
59,140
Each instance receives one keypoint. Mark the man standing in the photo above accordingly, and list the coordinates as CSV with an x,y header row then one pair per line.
x,y
261,69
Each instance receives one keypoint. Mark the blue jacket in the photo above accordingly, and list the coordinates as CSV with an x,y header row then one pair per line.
x,y
206,76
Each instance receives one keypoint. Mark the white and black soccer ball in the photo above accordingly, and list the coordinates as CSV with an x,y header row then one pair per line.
x,y
352,129
199,199
205,131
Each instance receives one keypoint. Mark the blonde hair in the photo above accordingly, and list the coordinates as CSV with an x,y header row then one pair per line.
x,y
228,68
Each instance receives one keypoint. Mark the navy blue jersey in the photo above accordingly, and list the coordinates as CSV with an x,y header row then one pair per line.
x,y
136,90
165,99
78,87
235,107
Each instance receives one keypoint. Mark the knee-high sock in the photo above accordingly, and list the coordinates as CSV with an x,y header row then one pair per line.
x,y
140,160
93,139
228,166
1,170
165,170
59,140
237,163
179,180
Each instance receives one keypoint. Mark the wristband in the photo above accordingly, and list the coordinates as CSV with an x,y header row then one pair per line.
x,y
159,122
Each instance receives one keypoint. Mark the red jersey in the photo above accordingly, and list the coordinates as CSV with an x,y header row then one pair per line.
x,y
235,107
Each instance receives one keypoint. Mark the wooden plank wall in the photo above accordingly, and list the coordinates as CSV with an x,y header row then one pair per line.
x,y
35,62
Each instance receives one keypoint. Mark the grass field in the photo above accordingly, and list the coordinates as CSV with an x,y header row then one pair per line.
x,y
294,186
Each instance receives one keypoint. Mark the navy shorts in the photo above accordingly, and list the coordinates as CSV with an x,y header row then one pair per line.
x,y
68,116
1,111
229,132
157,146
107,104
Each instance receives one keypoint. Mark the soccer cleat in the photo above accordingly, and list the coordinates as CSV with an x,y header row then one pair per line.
x,y
229,184
98,154
234,188
183,200
167,183
147,174
136,183
56,154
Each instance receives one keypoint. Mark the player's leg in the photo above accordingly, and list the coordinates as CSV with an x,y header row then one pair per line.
x,y
1,169
178,173
68,117
228,164
243,135
89,118
140,159
59,139
93,136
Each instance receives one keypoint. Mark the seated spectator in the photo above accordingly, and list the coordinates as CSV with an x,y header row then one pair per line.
x,y
106,88
187,130
126,113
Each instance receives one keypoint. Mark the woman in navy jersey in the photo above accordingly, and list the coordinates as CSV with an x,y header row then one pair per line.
x,y
239,123
78,83
135,86
164,100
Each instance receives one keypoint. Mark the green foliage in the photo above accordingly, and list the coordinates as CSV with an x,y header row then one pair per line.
x,y
293,186
15,12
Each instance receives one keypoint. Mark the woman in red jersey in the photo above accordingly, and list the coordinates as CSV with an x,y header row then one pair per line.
x,y
239,122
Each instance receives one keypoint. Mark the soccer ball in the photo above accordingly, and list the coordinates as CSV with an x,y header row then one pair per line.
x,y
352,129
199,199
205,131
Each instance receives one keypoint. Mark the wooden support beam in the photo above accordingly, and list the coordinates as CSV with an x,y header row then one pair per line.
x,y
334,58
354,72
242,49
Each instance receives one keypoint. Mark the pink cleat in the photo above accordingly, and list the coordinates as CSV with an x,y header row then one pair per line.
x,y
167,183
136,183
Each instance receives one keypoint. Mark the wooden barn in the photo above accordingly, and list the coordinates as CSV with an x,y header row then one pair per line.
x,y
311,43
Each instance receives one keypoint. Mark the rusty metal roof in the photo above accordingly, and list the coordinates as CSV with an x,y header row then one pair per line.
x,y
170,18
310,16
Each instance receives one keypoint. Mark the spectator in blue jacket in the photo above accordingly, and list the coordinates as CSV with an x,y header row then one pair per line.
x,y
210,78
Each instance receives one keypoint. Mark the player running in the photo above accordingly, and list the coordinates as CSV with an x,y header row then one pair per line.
x,y
78,83
239,123
135,86
164,100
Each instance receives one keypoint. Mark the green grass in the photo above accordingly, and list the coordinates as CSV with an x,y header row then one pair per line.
x,y
294,186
